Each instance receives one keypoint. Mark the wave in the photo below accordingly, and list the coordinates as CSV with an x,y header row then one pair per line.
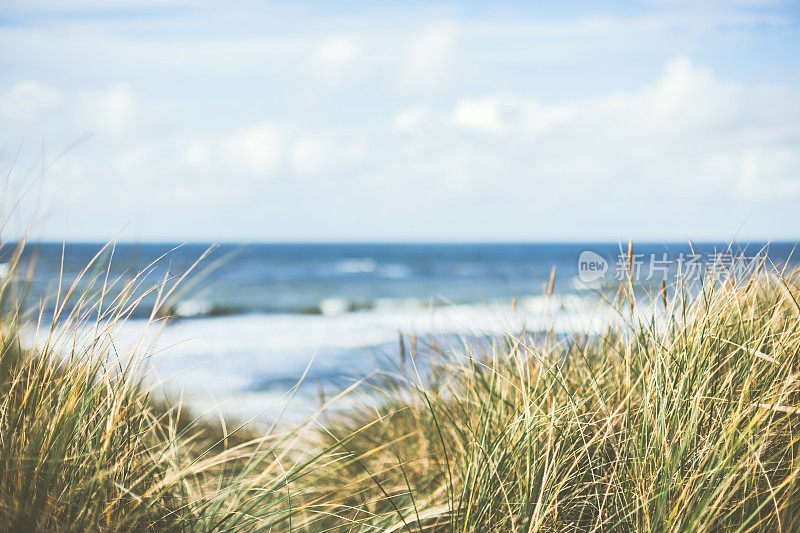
x,y
195,308
368,265
339,306
201,308
356,265
234,355
281,332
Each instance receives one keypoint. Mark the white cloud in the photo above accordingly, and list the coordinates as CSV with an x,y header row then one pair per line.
x,y
687,129
255,152
198,155
502,114
685,133
770,173
335,58
309,156
267,150
431,58
313,156
26,99
411,118
486,115
107,111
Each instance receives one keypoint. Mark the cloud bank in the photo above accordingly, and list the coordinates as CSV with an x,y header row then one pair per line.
x,y
411,131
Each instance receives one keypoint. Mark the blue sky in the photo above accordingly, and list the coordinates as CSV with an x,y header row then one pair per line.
x,y
276,121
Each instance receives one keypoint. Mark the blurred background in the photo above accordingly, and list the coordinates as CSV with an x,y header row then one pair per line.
x,y
254,121
375,168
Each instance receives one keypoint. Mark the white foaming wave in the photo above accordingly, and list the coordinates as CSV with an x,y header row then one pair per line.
x,y
226,356
367,265
334,306
193,308
356,265
398,304
259,334
570,303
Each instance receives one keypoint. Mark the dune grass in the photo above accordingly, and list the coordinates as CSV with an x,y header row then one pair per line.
x,y
85,445
685,420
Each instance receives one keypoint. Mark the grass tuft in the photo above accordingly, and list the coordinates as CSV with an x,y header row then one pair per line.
x,y
683,418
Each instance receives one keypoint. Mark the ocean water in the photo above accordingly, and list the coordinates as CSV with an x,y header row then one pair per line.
x,y
252,319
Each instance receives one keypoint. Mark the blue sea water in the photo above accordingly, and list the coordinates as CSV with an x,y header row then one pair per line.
x,y
250,318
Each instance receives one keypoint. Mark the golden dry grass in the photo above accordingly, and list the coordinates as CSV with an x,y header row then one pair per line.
x,y
686,420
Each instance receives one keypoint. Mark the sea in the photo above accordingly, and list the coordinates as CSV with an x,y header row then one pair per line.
x,y
258,331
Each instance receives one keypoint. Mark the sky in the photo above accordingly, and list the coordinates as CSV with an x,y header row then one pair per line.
x,y
191,120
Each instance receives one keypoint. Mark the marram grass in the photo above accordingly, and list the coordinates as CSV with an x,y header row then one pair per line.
x,y
685,421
